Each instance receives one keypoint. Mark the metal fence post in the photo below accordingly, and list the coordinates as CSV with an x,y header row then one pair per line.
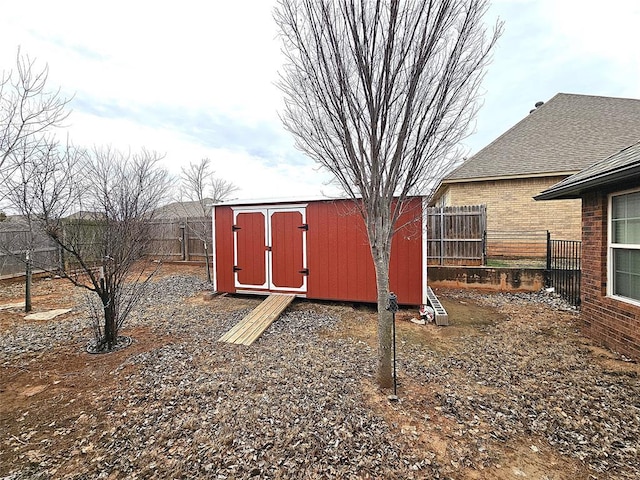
x,y
547,272
27,287
484,247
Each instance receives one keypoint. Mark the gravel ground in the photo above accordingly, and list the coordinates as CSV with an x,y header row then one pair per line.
x,y
534,374
296,403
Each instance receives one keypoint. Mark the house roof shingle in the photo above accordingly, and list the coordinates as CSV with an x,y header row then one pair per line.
x,y
563,136
618,169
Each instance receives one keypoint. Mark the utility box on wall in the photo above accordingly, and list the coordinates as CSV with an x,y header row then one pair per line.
x,y
316,249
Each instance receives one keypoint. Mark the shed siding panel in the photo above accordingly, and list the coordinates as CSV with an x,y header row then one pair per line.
x,y
340,265
287,243
224,249
406,257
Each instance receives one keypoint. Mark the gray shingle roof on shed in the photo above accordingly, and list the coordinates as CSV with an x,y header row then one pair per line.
x,y
566,134
620,168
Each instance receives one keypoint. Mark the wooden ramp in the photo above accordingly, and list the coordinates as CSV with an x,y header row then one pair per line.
x,y
442,317
247,330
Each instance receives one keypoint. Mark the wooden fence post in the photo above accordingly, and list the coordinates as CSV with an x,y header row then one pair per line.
x,y
187,250
183,241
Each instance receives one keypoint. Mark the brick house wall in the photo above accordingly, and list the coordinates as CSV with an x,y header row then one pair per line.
x,y
609,322
510,206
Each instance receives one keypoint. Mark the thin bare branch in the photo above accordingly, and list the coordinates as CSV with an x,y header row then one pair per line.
x,y
28,109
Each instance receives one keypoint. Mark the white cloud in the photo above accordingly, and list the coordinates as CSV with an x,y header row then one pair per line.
x,y
196,79
256,177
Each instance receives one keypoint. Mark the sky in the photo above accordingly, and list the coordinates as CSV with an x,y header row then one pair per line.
x,y
195,79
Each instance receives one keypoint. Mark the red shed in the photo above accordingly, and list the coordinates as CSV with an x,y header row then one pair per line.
x,y
316,249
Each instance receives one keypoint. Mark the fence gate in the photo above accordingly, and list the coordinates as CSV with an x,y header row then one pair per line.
x,y
563,268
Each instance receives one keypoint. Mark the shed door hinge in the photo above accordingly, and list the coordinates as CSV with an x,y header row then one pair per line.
x,y
304,271
304,226
235,228
236,268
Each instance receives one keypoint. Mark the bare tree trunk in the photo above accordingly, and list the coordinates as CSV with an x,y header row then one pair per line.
x,y
110,330
206,259
385,324
380,237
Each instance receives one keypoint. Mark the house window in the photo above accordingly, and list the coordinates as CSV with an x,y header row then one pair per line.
x,y
624,246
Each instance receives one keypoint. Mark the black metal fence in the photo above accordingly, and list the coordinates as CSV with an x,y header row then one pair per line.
x,y
563,272
519,249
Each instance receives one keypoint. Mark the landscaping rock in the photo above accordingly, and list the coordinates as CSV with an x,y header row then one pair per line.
x,y
301,402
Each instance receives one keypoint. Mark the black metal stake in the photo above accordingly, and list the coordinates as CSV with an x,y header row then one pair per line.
x,y
29,276
393,308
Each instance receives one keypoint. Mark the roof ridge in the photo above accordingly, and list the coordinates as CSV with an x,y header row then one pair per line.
x,y
609,97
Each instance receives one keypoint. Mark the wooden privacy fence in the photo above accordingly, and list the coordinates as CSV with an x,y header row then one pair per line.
x,y
171,239
13,247
458,236
181,239
455,235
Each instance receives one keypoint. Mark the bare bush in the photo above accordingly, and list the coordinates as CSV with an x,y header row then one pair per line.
x,y
106,242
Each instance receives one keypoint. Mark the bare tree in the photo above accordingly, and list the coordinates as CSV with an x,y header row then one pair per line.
x,y
28,114
107,240
380,93
38,186
27,108
202,189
